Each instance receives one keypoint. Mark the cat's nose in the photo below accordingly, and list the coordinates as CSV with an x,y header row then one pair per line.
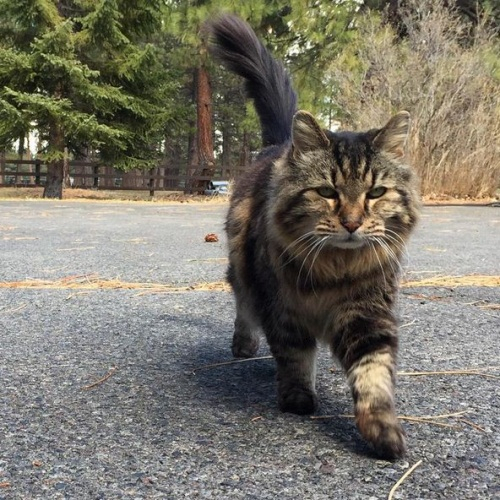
x,y
351,224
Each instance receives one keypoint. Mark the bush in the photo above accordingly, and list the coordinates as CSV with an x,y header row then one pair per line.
x,y
447,78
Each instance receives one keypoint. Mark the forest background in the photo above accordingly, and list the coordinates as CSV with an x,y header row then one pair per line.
x,y
130,82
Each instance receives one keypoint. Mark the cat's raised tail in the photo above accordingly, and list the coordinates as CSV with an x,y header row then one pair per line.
x,y
236,45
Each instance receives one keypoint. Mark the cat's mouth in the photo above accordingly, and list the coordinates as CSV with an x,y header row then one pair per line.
x,y
350,241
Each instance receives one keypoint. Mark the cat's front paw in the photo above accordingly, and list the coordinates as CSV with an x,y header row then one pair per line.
x,y
383,430
299,400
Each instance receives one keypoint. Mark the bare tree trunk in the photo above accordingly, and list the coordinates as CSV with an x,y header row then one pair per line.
x,y
192,153
55,168
67,177
244,151
20,149
204,138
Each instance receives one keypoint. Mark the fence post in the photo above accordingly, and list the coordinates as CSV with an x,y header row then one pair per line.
x,y
96,176
151,182
2,166
37,172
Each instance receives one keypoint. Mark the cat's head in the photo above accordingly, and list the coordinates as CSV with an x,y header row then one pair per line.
x,y
346,188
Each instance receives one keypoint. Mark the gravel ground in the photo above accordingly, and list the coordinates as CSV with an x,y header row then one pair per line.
x,y
164,425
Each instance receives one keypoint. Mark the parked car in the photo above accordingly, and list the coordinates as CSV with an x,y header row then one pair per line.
x,y
216,188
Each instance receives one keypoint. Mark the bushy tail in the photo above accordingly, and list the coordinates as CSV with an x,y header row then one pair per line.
x,y
236,45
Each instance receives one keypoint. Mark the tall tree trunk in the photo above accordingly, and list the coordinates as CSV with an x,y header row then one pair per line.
x,y
66,175
55,168
204,139
20,149
192,155
204,115
244,151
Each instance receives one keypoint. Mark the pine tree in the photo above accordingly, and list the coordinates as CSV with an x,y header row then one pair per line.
x,y
83,75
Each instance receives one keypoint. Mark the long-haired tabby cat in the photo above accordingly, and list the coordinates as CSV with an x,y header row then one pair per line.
x,y
316,230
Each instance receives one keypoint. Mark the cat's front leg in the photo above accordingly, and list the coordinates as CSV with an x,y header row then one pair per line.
x,y
367,349
296,376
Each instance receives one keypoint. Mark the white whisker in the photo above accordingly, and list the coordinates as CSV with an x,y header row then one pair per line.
x,y
392,258
313,247
300,242
318,251
372,247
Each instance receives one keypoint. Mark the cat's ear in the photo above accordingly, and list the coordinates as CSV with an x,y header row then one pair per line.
x,y
307,134
392,138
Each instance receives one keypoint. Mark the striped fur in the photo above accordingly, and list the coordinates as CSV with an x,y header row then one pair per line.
x,y
316,230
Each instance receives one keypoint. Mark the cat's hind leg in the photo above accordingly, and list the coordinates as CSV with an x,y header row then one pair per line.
x,y
246,338
367,350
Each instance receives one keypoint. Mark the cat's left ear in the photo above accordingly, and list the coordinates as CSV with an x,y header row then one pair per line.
x,y
307,135
392,138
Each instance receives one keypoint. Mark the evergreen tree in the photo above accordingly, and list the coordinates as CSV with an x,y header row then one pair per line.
x,y
83,75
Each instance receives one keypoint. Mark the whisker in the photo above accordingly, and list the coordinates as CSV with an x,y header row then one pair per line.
x,y
399,242
395,234
392,257
324,239
313,247
372,247
299,241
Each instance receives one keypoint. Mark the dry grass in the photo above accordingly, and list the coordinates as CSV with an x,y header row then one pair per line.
x,y
101,380
435,420
454,281
22,193
449,88
94,282
103,196
490,307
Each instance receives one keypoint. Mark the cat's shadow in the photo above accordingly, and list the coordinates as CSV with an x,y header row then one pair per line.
x,y
248,387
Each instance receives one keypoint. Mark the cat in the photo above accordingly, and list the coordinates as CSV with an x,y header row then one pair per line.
x,y
316,229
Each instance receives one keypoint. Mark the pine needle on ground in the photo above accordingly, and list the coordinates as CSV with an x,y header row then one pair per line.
x,y
403,477
454,281
95,282
101,380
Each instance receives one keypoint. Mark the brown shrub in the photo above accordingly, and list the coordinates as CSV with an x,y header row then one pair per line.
x,y
446,79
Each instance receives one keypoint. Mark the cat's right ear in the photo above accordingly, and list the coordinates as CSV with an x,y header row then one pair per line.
x,y
307,134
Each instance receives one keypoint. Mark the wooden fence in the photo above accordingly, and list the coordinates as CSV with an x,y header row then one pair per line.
x,y
92,175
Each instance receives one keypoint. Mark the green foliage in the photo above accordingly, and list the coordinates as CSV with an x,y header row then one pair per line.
x,y
117,76
89,69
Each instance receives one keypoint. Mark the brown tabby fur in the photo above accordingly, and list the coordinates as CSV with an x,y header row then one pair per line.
x,y
316,229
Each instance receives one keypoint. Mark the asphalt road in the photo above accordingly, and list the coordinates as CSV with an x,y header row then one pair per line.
x,y
160,427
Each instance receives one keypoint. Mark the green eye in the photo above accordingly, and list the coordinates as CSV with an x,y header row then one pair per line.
x,y
327,192
376,192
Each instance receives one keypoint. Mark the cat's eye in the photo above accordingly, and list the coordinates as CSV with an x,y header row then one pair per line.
x,y
376,192
327,192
